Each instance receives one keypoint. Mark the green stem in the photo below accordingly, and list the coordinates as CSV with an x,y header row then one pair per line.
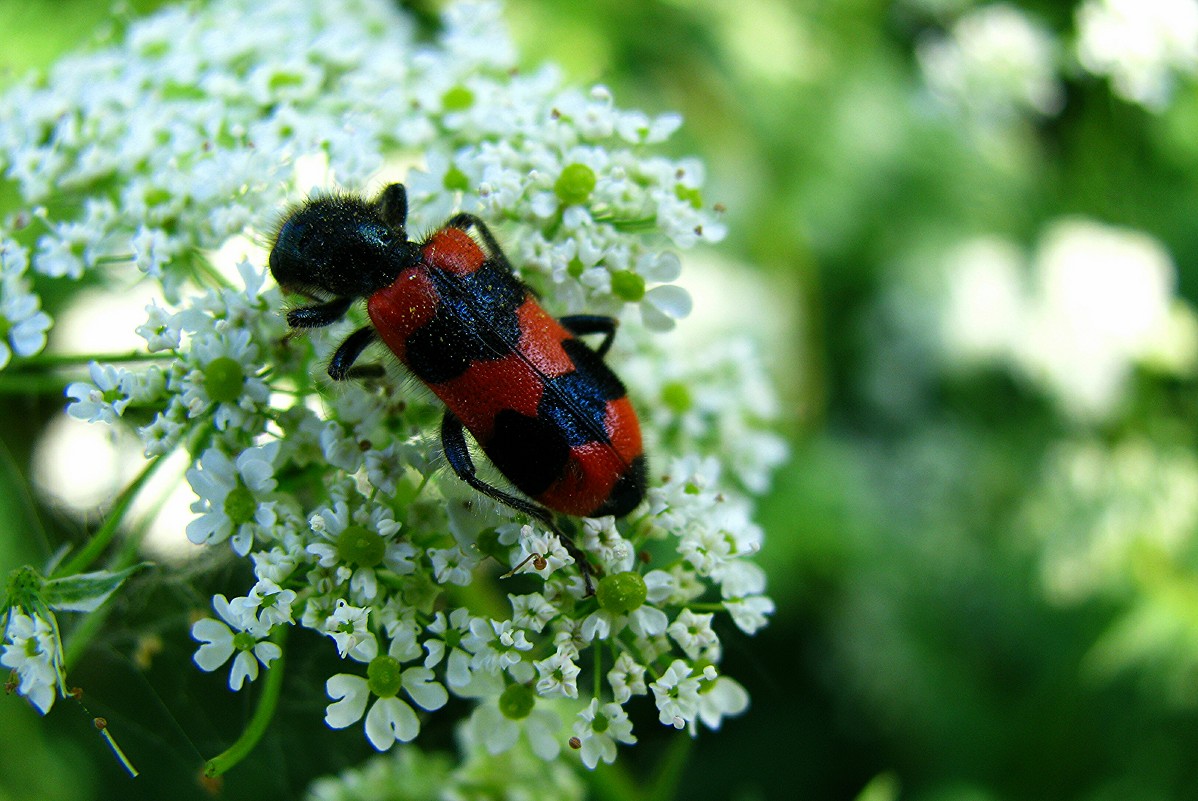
x,y
268,702
706,607
614,783
205,270
669,770
104,536
118,753
17,384
77,359
598,668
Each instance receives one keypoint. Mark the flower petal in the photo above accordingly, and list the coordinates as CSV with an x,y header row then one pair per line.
x,y
350,694
390,719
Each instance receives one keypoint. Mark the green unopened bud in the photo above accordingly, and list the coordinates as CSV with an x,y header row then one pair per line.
x,y
516,702
575,184
621,593
224,378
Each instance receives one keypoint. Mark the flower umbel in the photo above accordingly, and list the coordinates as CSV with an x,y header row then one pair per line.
x,y
338,498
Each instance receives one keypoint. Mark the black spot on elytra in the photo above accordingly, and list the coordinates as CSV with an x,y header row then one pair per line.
x,y
530,451
628,492
576,402
475,321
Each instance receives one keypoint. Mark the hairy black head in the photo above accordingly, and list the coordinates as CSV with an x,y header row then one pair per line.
x,y
341,245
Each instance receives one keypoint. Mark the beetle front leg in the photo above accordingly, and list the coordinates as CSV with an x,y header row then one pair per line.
x,y
320,314
348,353
583,324
466,222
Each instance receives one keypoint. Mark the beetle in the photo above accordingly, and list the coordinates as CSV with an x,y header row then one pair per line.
x,y
543,405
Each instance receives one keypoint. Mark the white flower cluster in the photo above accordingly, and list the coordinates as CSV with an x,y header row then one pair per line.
x,y
1116,526
155,152
994,61
1102,511
1095,303
1142,45
31,652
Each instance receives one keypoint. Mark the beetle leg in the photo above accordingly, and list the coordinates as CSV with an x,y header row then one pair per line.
x,y
320,314
583,324
453,442
348,353
468,222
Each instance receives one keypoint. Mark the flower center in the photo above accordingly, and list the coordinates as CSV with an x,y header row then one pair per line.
x,y
516,702
360,546
384,676
600,723
621,593
223,378
240,505
244,641
627,285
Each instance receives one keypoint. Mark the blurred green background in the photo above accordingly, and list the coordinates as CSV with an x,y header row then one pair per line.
x,y
985,590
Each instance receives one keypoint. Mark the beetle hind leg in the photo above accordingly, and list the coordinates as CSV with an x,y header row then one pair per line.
x,y
453,442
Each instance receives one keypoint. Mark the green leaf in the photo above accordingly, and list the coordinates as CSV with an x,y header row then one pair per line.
x,y
86,591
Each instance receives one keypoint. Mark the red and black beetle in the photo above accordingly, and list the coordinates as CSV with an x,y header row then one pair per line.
x,y
544,407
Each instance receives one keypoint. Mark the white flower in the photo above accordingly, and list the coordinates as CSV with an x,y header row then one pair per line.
x,y
677,695
644,621
267,602
390,718
359,546
720,698
1139,44
101,400
161,330
558,674
241,632
498,731
627,678
532,611
224,377
31,649
448,633
599,728
546,545
349,626
497,646
233,496
452,565
22,320
750,613
151,250
694,635
995,61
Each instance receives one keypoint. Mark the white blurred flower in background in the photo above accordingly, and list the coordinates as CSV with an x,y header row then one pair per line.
x,y
996,61
1139,44
1095,302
